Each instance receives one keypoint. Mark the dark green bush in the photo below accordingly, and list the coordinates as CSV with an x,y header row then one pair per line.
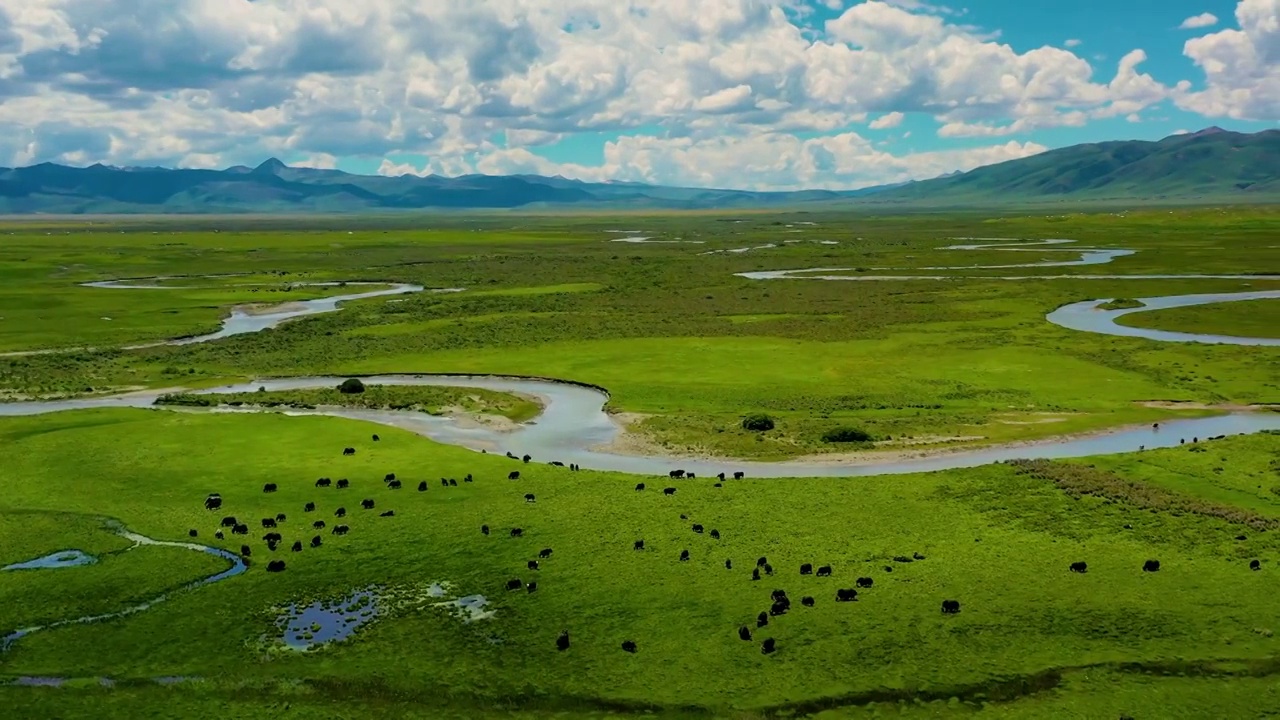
x,y
758,423
846,435
351,386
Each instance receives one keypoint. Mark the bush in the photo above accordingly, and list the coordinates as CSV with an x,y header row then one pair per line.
x,y
846,435
758,423
351,386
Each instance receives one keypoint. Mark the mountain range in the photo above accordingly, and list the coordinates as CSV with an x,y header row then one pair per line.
x,y
1211,165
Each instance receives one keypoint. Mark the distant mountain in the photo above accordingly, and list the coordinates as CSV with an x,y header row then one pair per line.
x,y
274,187
1212,164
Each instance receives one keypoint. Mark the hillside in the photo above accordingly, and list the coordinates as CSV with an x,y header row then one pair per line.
x,y
274,187
1212,164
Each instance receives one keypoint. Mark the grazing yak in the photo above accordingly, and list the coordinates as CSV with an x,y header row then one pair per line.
x,y
669,491
468,478
545,553
229,521
917,556
281,517
762,619
453,483
556,463
388,513
348,451
367,504
676,474
484,529
219,535
717,485
213,502
531,587
340,512
444,482
517,532
720,477
316,541
865,582
376,438
739,475
684,556
240,529
275,566
744,633
715,534
394,485
323,482
950,607
1151,566
639,487
629,646
527,458
1079,567
807,601
343,484
389,477
513,475
297,546
768,646
824,571
806,569
755,573
245,551
272,537
309,507
1255,565
697,528
778,595
639,545
515,584
846,595
760,562
562,642
341,529
422,486
728,564
768,569
528,497
779,608
269,488
192,533
318,525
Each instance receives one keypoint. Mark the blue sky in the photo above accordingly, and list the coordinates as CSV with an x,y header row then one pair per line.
x,y
730,93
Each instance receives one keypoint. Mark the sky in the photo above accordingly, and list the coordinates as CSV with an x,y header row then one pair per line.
x,y
753,94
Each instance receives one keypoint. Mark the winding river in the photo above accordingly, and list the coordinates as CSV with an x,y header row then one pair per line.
x,y
574,428
237,566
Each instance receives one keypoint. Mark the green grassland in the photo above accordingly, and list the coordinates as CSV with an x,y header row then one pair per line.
x,y
688,349
996,538
435,400
1249,318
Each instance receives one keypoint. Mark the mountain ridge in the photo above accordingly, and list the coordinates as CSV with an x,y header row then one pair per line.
x,y
1211,164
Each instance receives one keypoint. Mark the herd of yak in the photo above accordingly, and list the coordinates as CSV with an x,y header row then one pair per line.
x,y
781,603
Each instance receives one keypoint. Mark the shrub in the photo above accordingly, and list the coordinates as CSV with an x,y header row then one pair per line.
x,y
758,423
351,386
846,435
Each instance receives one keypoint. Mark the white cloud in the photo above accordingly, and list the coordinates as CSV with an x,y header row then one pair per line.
x,y
886,121
1241,67
237,80
1203,20
1073,42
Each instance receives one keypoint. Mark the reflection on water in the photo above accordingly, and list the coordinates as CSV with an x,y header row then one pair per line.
x,y
64,559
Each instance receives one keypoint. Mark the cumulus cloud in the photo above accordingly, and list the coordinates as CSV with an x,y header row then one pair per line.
x,y
470,82
1203,20
886,121
1241,67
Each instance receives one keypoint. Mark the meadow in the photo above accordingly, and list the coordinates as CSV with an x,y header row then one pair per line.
x,y
686,349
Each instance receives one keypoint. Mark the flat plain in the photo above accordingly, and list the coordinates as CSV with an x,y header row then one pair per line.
x,y
687,348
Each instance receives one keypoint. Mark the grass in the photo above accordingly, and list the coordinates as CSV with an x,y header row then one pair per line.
x,y
1246,318
691,349
434,400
